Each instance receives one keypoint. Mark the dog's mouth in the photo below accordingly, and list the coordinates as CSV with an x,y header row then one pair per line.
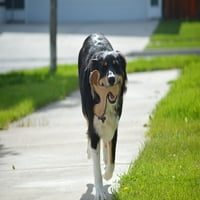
x,y
111,98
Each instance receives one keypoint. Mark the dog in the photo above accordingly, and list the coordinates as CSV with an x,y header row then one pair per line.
x,y
102,82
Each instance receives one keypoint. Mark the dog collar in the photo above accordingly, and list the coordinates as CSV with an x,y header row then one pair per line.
x,y
103,119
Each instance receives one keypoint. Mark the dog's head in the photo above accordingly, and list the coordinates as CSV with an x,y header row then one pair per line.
x,y
112,68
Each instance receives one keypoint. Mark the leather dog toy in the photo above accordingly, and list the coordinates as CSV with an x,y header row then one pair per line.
x,y
102,91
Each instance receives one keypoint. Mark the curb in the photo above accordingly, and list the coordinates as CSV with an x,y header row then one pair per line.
x,y
163,52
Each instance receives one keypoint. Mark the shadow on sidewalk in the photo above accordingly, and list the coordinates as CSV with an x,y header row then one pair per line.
x,y
5,151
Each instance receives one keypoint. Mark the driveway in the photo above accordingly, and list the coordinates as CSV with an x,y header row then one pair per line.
x,y
24,46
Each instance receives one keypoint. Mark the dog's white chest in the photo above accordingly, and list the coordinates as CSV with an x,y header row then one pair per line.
x,y
106,126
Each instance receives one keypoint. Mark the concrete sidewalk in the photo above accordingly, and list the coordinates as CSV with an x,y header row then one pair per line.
x,y
27,46
43,156
165,52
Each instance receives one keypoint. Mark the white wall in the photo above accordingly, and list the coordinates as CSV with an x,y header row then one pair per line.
x,y
88,10
37,11
101,10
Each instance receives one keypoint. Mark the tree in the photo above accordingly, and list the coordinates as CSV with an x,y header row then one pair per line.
x,y
53,32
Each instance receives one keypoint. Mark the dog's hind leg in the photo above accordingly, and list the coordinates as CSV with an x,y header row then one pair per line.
x,y
109,157
89,149
100,195
109,165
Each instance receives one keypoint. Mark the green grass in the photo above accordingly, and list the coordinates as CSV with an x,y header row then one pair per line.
x,y
161,63
23,92
168,168
176,34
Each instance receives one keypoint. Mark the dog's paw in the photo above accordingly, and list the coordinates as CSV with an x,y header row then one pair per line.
x,y
109,172
100,195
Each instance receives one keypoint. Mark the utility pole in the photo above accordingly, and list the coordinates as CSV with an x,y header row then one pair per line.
x,y
53,32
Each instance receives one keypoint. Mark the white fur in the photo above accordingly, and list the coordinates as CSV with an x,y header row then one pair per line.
x,y
100,195
106,131
109,171
89,149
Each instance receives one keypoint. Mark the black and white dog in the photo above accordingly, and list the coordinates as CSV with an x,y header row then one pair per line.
x,y
98,55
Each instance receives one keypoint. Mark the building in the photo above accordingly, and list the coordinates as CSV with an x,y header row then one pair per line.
x,y
76,11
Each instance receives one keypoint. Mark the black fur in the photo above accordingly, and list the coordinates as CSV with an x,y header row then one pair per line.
x,y
97,50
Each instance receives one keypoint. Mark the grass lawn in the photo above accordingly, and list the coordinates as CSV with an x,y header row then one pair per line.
x,y
23,92
176,34
169,165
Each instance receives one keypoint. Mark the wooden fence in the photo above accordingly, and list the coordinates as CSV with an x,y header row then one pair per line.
x,y
181,9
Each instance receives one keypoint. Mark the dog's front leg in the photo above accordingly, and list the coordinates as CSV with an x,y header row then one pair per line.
x,y
100,195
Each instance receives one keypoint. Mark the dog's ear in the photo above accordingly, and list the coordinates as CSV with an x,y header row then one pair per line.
x,y
121,60
85,89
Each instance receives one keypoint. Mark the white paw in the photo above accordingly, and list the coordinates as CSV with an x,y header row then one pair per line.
x,y
100,195
109,172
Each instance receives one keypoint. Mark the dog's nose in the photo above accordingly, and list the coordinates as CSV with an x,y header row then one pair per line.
x,y
111,80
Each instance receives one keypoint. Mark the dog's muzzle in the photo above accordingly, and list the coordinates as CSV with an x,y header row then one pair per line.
x,y
104,91
111,98
112,80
